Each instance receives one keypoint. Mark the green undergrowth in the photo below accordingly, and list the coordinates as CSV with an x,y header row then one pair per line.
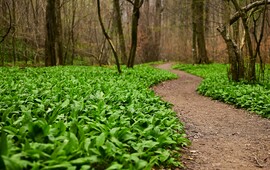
x,y
253,97
86,118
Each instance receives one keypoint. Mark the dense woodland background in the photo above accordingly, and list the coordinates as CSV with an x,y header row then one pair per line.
x,y
166,30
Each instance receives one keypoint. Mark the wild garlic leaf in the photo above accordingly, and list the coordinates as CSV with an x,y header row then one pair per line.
x,y
85,117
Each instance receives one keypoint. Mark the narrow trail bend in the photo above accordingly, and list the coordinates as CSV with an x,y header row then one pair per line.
x,y
223,137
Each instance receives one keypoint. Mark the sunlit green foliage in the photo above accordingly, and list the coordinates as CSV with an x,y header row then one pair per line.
x,y
253,97
86,118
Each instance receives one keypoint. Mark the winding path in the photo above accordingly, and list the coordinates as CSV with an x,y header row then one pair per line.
x,y
223,137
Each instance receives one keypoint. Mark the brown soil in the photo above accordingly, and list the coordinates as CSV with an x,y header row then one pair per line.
x,y
222,136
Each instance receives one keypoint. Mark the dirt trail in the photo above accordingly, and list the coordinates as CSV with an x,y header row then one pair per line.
x,y
222,137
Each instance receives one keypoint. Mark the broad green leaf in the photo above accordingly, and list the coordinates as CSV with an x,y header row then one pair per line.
x,y
114,166
3,144
11,164
164,155
65,104
63,117
87,143
2,163
100,139
85,167
141,164
72,144
61,165
10,130
60,149
85,160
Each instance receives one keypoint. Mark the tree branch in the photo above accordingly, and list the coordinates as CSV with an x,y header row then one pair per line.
x,y
10,25
131,2
247,8
141,3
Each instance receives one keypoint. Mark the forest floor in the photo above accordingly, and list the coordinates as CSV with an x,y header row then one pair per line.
x,y
222,136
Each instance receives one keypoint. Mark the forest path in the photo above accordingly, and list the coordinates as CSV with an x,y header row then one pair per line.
x,y
222,136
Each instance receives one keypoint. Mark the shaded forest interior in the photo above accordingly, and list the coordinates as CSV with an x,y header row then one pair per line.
x,y
165,31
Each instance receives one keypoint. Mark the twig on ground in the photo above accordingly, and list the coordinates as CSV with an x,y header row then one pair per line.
x,y
258,162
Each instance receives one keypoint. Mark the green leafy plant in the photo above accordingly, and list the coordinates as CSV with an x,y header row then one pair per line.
x,y
253,97
86,118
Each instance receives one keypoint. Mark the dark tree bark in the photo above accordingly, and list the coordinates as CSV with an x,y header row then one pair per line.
x,y
74,7
5,20
59,34
50,49
54,46
14,56
108,38
134,31
122,42
247,8
244,18
239,42
237,70
259,38
6,5
199,17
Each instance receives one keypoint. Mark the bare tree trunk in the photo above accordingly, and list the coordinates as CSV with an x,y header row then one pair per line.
x,y
236,72
6,11
252,59
157,26
72,31
54,46
148,45
146,49
108,38
202,53
120,31
5,6
14,32
259,38
50,50
194,32
28,31
239,39
134,31
234,56
59,34
35,9
1,56
199,17
147,13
